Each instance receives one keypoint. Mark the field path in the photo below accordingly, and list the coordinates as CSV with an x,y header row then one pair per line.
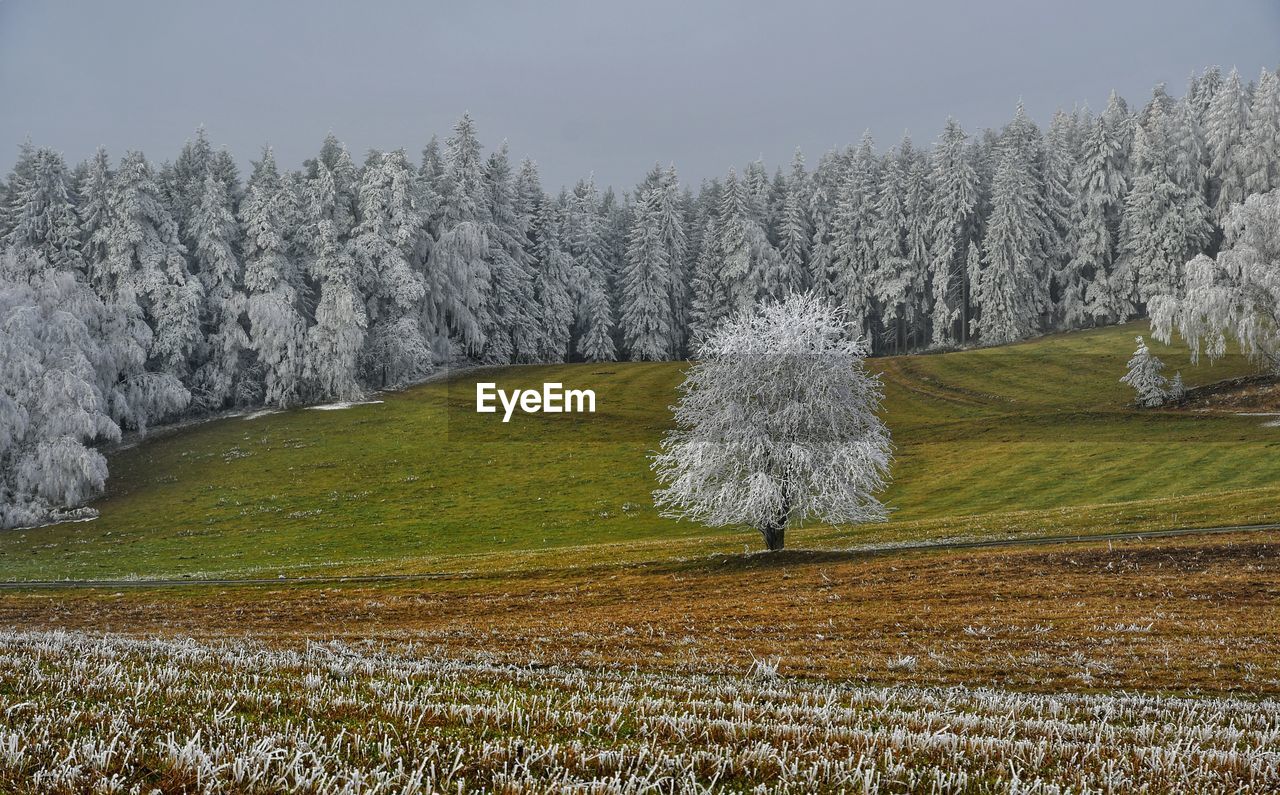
x,y
869,551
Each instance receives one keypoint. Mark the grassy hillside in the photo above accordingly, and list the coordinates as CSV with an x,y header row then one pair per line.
x,y
1030,438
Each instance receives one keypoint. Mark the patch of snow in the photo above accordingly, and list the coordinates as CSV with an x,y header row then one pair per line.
x,y
253,415
342,405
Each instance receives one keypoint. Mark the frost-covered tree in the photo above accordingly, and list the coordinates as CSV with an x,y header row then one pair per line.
x,y
1262,140
70,376
553,278
1227,126
1144,376
918,246
277,330
891,279
510,319
1166,222
586,243
953,232
647,323
1088,290
795,235
337,337
777,424
1235,296
749,267
458,270
397,347
145,265
1009,294
224,354
854,278
824,191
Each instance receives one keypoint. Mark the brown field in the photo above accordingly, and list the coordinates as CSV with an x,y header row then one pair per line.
x,y
1194,614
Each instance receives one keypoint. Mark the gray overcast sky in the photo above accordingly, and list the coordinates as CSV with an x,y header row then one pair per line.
x,y
588,86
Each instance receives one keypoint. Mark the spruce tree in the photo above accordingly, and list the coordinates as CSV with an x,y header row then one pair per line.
x,y
276,327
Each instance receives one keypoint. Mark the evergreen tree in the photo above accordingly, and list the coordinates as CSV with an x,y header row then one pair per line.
x,y
1145,378
1227,128
647,323
337,338
1262,140
145,266
224,354
854,266
795,234
1088,291
1165,223
384,244
587,245
1008,292
276,327
458,272
552,281
953,231
510,316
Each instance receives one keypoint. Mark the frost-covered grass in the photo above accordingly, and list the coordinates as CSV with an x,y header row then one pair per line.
x,y
1034,438
112,714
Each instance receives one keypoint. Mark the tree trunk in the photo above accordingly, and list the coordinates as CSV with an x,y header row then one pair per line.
x,y
775,532
774,536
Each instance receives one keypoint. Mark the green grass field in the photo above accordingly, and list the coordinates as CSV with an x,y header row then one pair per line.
x,y
1031,438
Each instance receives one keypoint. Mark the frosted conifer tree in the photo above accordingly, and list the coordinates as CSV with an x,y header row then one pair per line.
x,y
749,267
458,270
43,214
1008,291
824,193
509,311
223,356
1237,295
955,197
586,243
918,248
1165,222
777,424
796,233
1262,140
277,330
670,207
337,338
397,347
188,177
854,267
1099,190
1144,376
145,264
552,281
891,279
647,323
1226,129
710,304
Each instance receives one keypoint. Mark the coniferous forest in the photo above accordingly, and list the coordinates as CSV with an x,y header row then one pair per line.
x,y
135,293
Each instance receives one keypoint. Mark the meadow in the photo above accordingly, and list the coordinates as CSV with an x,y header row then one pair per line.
x,y
1038,438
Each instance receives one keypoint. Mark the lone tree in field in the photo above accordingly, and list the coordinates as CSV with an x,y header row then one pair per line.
x,y
777,424
1145,378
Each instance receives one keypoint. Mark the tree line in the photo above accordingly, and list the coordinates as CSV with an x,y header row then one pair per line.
x,y
132,294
